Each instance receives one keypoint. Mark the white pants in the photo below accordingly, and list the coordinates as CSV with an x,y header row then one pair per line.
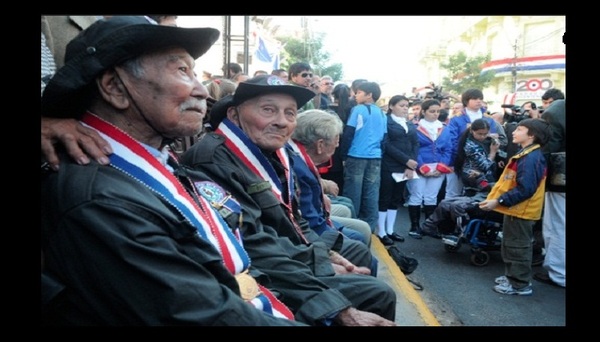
x,y
424,190
554,230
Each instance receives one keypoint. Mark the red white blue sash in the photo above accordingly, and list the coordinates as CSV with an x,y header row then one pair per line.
x,y
301,150
250,155
135,160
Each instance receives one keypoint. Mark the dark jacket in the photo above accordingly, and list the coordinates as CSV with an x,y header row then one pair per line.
x,y
127,257
400,146
555,115
313,292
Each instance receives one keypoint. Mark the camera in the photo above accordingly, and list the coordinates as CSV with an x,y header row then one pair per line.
x,y
431,91
435,93
514,113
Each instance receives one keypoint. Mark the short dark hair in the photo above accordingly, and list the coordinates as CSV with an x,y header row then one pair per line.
x,y
277,72
297,68
356,83
370,88
539,128
231,69
470,94
428,103
554,94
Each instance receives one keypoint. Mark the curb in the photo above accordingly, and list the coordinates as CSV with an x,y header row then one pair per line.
x,y
401,284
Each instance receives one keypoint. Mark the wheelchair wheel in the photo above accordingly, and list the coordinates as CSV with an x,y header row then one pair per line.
x,y
452,248
480,258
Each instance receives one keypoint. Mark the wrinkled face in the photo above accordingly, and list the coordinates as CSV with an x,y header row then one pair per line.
x,y
170,98
268,120
324,150
326,86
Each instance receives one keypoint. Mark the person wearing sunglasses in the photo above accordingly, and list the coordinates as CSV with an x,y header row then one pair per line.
x,y
300,74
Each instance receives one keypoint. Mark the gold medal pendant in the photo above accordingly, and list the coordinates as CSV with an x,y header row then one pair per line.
x,y
248,286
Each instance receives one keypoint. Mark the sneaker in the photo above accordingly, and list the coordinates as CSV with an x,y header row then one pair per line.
x,y
509,290
501,280
415,234
451,240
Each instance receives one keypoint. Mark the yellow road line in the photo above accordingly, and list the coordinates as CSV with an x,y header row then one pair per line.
x,y
402,284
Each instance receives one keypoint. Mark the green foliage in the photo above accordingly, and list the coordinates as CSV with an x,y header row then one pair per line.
x,y
310,50
465,73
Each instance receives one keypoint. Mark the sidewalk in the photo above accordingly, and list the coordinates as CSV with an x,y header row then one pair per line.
x,y
411,310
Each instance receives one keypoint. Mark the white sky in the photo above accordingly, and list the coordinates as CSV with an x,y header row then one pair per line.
x,y
384,49
381,48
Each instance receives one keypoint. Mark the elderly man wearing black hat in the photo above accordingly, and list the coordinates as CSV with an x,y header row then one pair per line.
x,y
131,243
246,154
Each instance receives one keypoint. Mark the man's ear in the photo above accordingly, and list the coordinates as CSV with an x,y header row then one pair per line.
x,y
233,115
319,145
112,90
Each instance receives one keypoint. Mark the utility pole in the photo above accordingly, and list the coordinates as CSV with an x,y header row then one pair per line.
x,y
514,67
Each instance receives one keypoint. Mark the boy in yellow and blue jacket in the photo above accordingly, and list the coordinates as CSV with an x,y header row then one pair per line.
x,y
519,195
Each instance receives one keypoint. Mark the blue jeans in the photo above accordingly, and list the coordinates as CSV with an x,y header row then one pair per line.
x,y
344,201
362,178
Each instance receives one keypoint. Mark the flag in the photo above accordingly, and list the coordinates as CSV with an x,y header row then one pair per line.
x,y
267,53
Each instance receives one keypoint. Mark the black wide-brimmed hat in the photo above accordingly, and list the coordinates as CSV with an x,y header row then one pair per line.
x,y
254,87
107,43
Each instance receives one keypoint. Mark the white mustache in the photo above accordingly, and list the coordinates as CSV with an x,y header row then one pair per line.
x,y
195,104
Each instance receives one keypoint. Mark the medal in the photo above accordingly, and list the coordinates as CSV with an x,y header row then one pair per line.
x,y
248,286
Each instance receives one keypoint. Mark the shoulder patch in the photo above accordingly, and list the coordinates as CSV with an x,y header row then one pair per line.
x,y
258,187
218,198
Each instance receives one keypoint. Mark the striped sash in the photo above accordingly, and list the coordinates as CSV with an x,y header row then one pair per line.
x,y
250,155
301,150
133,159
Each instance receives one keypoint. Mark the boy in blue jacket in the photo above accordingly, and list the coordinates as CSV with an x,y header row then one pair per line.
x,y
519,195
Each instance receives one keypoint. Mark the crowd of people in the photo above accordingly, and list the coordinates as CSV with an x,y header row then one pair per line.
x,y
267,218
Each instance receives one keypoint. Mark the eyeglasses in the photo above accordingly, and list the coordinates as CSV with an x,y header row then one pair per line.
x,y
306,74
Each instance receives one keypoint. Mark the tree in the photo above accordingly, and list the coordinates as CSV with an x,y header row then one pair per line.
x,y
309,50
465,73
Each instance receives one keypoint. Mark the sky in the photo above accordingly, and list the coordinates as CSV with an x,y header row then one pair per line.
x,y
381,48
384,49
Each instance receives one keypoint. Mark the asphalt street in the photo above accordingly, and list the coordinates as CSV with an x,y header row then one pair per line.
x,y
458,293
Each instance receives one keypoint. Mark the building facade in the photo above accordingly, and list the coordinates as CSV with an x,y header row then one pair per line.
x,y
528,53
